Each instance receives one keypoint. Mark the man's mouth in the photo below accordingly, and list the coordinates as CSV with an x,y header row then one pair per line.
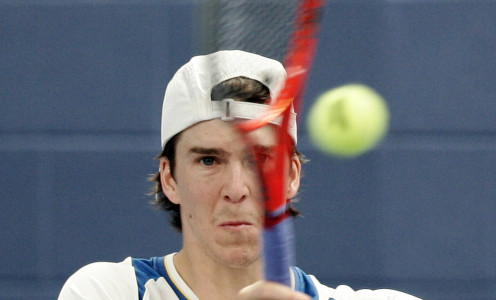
x,y
236,224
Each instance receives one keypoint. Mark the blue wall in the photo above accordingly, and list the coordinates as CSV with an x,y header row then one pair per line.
x,y
80,98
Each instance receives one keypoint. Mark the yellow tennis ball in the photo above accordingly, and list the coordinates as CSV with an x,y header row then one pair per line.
x,y
348,120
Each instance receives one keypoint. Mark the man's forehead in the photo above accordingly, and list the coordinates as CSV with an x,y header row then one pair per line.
x,y
223,136
217,129
219,151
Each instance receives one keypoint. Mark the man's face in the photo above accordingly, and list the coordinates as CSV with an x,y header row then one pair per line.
x,y
215,183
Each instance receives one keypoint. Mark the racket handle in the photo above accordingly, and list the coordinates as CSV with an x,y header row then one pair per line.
x,y
279,251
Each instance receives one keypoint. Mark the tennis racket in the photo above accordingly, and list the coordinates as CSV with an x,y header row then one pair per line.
x,y
285,30
278,227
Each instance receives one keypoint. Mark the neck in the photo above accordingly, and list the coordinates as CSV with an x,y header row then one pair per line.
x,y
210,279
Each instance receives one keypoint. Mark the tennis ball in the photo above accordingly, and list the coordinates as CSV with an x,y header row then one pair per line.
x,y
348,120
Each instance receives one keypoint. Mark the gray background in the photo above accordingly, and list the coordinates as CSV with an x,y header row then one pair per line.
x,y
80,98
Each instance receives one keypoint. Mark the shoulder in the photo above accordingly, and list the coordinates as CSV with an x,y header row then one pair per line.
x,y
312,286
102,280
345,292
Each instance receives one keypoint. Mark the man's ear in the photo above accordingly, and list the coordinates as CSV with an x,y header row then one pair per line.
x,y
169,186
294,176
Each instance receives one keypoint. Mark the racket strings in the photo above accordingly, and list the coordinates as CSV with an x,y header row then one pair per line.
x,y
258,26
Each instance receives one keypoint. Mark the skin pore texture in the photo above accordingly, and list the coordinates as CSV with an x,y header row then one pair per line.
x,y
215,183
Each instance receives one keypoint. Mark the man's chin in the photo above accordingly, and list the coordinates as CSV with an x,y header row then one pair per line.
x,y
242,260
239,255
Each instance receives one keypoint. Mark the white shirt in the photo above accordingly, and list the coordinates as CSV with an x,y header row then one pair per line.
x,y
158,279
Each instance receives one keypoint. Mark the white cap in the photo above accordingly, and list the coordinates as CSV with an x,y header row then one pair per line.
x,y
187,98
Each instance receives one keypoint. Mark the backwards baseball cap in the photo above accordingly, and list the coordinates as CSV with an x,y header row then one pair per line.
x,y
188,100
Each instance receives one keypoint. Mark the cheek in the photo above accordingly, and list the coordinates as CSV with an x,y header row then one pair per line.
x,y
190,182
197,195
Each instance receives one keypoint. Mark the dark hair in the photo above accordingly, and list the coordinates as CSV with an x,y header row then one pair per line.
x,y
238,88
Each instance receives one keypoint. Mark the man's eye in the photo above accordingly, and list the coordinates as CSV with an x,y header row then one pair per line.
x,y
207,160
262,158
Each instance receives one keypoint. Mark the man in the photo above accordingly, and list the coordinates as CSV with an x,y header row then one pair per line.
x,y
208,184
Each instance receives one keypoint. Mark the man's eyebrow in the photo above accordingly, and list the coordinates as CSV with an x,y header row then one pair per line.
x,y
263,148
206,151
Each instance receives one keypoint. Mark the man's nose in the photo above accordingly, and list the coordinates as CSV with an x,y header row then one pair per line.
x,y
236,187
